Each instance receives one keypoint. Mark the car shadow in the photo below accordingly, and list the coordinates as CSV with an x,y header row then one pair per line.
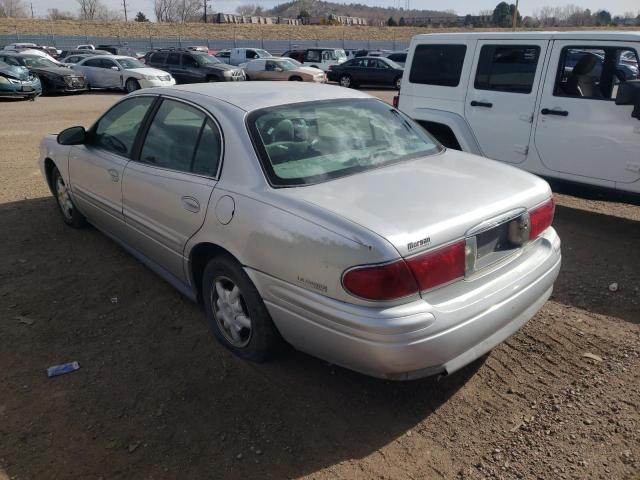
x,y
599,250
155,396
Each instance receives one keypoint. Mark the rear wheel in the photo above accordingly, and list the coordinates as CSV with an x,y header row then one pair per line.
x,y
236,313
70,213
132,85
295,79
345,81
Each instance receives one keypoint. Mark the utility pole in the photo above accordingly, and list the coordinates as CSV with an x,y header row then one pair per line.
x,y
515,17
124,4
205,11
31,10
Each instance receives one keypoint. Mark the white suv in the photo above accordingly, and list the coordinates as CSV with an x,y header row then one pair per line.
x,y
557,104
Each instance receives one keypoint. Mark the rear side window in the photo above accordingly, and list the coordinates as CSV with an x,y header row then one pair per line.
x,y
159,57
182,138
438,65
173,59
510,68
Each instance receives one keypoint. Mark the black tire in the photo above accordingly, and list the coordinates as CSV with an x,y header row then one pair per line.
x,y
131,85
246,78
295,79
70,214
261,341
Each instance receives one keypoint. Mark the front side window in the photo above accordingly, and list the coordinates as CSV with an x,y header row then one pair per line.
x,y
173,138
313,56
173,59
594,72
189,61
270,66
104,63
159,57
318,141
116,131
438,65
510,68
93,62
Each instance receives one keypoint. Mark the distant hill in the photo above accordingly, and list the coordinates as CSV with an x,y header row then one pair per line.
x,y
318,8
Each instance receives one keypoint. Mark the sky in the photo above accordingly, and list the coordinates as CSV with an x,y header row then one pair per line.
x,y
462,7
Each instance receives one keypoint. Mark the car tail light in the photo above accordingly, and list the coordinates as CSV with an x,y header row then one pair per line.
x,y
396,101
380,282
439,266
409,276
541,218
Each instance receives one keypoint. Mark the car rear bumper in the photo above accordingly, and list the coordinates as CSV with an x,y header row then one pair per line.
x,y
438,334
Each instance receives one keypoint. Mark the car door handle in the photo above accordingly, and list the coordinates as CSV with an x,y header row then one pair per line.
x,y
190,204
559,113
115,177
481,104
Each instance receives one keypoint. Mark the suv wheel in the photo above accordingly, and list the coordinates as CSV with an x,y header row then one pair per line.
x,y
345,81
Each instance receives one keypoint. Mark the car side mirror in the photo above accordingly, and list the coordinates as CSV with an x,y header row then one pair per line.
x,y
629,94
72,136
278,69
115,68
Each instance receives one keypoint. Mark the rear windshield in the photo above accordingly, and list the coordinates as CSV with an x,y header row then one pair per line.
x,y
314,142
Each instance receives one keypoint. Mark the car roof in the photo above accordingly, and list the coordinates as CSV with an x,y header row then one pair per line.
x,y
250,96
583,35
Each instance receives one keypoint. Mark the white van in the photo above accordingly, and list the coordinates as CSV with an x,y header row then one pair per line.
x,y
236,56
556,104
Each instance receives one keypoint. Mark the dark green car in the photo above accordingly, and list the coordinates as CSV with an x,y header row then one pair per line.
x,y
17,82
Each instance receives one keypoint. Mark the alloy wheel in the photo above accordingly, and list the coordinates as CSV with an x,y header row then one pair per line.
x,y
230,311
64,199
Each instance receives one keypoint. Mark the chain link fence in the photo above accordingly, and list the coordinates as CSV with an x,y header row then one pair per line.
x,y
137,44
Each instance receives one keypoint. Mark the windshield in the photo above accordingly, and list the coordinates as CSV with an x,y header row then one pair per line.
x,y
262,53
392,64
317,141
286,65
340,54
294,62
206,59
35,62
129,63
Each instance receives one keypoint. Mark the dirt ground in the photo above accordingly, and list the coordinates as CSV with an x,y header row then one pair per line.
x,y
157,398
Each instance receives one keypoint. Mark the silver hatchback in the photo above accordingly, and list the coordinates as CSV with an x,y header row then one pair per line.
x,y
316,216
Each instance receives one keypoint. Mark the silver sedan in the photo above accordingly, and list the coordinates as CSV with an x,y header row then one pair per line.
x,y
314,215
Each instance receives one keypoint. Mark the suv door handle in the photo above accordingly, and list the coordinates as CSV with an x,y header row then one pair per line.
x,y
559,113
481,104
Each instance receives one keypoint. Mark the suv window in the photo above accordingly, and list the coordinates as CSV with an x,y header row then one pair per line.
x,y
437,65
173,59
594,72
189,61
159,57
313,55
117,129
510,68
173,137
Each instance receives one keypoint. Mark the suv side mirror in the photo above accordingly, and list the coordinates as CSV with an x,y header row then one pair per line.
x,y
629,94
72,136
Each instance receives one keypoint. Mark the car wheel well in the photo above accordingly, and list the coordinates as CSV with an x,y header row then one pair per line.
x,y
442,133
198,260
49,165
295,78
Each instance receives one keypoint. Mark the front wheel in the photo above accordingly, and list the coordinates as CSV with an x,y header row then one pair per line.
x,y
70,213
132,85
236,313
295,79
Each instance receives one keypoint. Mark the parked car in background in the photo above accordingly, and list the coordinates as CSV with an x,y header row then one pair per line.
x,y
67,53
321,58
282,69
399,58
18,82
122,50
122,73
317,215
86,47
367,71
560,105
188,66
236,56
17,46
202,49
53,77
